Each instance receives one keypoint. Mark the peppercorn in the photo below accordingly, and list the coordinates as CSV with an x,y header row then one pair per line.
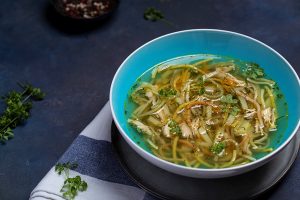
x,y
86,8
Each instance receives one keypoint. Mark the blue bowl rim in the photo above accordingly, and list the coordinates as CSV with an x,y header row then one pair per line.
x,y
261,160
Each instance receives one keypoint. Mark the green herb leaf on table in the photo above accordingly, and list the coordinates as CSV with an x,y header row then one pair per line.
x,y
18,105
35,93
6,134
152,14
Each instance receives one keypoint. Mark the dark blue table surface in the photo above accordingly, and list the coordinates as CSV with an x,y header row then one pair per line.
x,y
74,65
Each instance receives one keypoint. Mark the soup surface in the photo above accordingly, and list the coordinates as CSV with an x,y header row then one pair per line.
x,y
206,111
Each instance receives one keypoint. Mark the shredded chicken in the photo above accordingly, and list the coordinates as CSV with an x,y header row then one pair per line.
x,y
186,131
267,114
140,126
195,126
210,122
166,131
149,94
250,113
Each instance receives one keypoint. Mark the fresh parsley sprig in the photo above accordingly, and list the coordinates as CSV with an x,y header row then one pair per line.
x,y
18,105
6,134
65,167
153,15
73,185
32,92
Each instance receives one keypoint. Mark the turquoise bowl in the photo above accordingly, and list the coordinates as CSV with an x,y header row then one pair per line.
x,y
205,41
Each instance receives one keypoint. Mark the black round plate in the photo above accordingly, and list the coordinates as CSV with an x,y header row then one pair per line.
x,y
166,185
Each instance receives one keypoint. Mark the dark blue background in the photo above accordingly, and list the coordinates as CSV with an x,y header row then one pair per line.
x,y
75,64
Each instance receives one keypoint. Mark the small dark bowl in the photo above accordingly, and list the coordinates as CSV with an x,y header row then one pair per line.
x,y
58,5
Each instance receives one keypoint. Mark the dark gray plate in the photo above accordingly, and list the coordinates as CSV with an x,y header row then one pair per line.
x,y
165,185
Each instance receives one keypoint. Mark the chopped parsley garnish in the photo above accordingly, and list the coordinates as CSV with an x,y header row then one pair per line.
x,y
140,130
279,96
141,92
201,84
228,99
235,110
253,71
217,148
174,127
282,117
167,92
71,185
201,91
225,108
201,81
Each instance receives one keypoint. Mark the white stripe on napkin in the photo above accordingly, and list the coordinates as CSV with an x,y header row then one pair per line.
x,y
99,128
51,184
